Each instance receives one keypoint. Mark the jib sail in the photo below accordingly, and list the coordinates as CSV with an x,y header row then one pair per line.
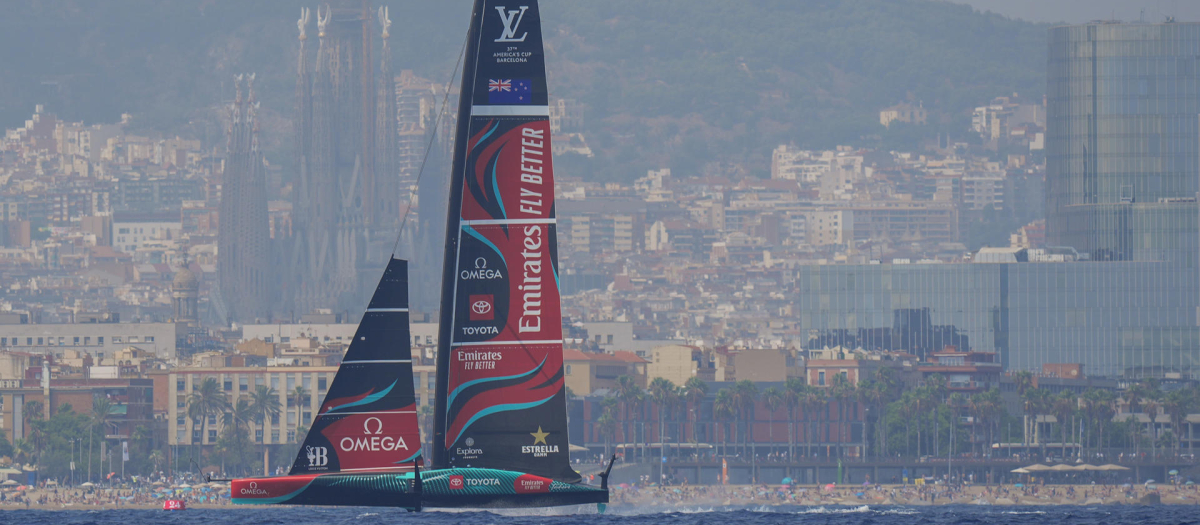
x,y
501,402
368,420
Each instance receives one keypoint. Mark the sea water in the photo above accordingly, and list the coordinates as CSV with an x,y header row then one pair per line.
x,y
826,515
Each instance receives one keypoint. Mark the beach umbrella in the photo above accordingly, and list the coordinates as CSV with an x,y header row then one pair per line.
x,y
859,494
1149,481
1019,485
866,484
830,486
1019,471
786,481
1190,483
1062,468
88,484
1174,472
10,482
1037,467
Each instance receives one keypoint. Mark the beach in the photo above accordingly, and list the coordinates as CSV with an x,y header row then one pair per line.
x,y
685,497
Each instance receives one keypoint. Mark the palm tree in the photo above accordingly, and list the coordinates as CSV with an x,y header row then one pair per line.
x,y
745,394
875,397
264,402
631,397
1177,404
607,426
793,392
842,392
663,393
101,415
301,397
1024,381
814,402
157,459
34,411
1037,403
724,409
235,424
1063,405
301,433
694,392
773,398
207,400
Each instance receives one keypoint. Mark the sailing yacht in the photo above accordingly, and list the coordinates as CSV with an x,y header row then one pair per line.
x,y
500,436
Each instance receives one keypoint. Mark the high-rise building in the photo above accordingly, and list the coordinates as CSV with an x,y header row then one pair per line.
x,y
243,240
1123,140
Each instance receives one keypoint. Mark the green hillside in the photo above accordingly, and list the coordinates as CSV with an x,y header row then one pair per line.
x,y
698,85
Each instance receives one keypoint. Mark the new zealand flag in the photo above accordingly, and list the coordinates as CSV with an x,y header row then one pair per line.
x,y
510,91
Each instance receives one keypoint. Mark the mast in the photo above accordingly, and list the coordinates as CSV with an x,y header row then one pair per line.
x,y
457,170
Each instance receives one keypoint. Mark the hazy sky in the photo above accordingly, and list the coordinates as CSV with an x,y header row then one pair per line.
x,y
1077,11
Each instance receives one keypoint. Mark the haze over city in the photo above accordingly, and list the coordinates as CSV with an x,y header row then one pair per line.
x,y
805,244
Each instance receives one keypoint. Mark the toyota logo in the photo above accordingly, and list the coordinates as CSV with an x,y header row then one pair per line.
x,y
481,307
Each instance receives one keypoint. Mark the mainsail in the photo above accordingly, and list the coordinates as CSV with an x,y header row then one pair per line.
x,y
368,420
500,400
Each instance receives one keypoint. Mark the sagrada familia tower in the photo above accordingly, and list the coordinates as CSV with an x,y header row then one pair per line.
x,y
246,279
347,196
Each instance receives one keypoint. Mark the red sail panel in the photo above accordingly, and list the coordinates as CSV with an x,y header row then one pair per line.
x,y
500,365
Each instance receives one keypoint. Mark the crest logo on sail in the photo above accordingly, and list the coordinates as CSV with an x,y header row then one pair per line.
x,y
512,22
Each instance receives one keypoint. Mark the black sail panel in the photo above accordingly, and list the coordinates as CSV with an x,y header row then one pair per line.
x,y
367,421
501,397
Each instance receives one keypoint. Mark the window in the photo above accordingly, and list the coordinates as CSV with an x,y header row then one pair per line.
x,y
820,378
258,435
29,341
196,435
40,341
285,339
568,369
77,340
306,380
3,341
212,435
87,340
212,419
274,420
416,339
148,339
243,384
133,339
291,419
180,435
291,435
275,382
321,382
181,421
291,383
181,404
100,340
307,416
417,381
117,339
274,436
610,339
180,385
228,384
429,339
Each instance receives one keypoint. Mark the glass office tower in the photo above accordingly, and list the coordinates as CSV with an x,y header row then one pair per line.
x,y
1123,141
1123,172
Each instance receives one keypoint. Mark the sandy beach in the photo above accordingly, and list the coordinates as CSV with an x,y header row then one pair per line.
x,y
57,498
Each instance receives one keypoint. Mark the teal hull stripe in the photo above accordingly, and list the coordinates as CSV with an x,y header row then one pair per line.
x,y
410,458
498,408
366,400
